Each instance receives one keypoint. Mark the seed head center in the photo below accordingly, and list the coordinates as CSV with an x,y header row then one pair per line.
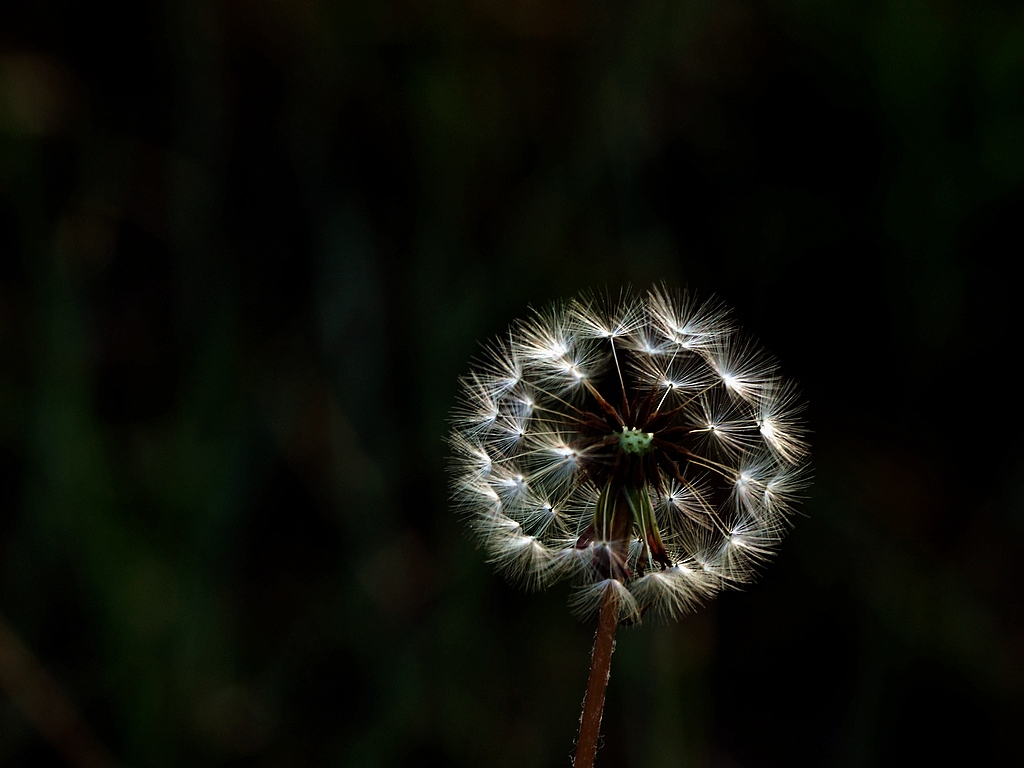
x,y
633,440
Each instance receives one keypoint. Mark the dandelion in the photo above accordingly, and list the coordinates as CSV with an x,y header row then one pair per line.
x,y
643,448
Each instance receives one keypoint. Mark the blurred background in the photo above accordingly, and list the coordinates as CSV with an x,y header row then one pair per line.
x,y
246,249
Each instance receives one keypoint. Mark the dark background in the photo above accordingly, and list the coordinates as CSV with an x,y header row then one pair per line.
x,y
246,248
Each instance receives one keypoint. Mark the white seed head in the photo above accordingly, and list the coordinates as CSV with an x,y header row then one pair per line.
x,y
642,447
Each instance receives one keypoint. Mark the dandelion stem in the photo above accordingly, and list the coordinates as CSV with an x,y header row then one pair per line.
x,y
600,668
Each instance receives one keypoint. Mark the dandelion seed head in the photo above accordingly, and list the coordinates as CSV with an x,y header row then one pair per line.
x,y
641,447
